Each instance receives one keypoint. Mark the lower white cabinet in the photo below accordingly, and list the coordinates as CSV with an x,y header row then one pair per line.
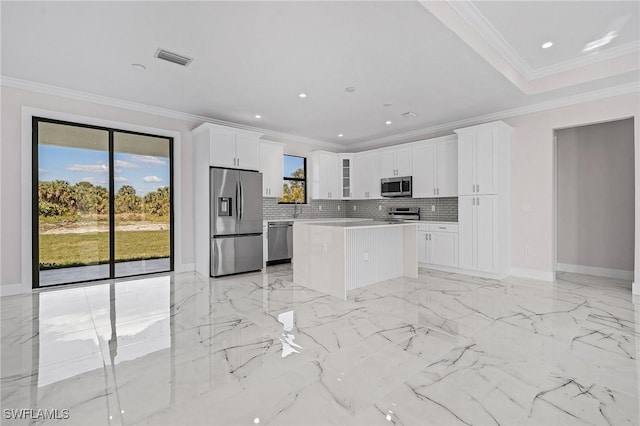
x,y
477,217
438,245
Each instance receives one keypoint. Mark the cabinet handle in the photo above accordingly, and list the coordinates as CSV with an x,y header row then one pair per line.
x,y
478,201
473,201
438,191
478,188
434,191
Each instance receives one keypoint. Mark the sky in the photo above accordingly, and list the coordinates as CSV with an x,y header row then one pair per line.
x,y
144,173
291,164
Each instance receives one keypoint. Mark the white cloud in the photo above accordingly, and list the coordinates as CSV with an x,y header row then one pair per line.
x,y
42,171
148,159
125,164
89,168
119,179
151,179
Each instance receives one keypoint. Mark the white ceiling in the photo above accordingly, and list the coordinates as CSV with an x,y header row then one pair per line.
x,y
255,57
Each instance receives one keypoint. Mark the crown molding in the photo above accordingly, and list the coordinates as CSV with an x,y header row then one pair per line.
x,y
623,89
154,110
492,36
583,61
483,27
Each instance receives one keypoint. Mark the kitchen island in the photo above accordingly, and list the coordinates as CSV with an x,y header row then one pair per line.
x,y
335,257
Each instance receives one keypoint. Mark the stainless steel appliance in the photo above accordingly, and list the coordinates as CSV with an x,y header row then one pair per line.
x,y
280,242
236,221
399,214
396,186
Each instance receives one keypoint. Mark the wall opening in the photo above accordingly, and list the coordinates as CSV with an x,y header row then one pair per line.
x,y
595,199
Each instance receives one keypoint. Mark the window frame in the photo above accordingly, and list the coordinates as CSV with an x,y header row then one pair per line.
x,y
304,181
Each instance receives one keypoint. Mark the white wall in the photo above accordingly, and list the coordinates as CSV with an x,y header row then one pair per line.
x,y
532,176
595,195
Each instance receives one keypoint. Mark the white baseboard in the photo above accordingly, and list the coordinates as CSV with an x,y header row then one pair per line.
x,y
13,289
635,288
461,271
534,274
598,272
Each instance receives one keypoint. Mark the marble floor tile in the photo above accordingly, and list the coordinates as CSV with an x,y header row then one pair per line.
x,y
441,349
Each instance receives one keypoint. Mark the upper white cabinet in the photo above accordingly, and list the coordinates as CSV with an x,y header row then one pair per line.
x,y
435,168
325,175
396,161
479,151
229,147
366,175
271,166
346,175
484,201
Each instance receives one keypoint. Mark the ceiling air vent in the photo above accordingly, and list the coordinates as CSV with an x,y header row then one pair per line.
x,y
173,57
409,114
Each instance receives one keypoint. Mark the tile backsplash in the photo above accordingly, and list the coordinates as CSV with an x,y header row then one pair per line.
x,y
314,209
444,209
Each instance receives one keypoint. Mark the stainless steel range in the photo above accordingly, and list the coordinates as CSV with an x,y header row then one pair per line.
x,y
398,214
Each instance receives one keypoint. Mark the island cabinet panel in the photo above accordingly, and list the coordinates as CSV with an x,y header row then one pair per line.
x,y
335,257
369,260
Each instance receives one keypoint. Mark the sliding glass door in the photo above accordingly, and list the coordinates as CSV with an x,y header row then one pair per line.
x,y
102,203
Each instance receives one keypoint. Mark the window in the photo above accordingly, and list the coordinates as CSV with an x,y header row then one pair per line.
x,y
294,188
102,203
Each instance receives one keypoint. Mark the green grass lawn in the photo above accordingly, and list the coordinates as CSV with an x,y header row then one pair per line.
x,y
62,250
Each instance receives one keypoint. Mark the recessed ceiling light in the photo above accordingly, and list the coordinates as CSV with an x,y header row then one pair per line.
x,y
340,135
350,89
547,44
302,95
138,67
258,116
387,122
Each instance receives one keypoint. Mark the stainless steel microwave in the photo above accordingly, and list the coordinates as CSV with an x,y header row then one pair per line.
x,y
396,186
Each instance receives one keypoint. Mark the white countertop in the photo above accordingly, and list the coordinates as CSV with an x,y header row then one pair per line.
x,y
431,222
361,223
326,219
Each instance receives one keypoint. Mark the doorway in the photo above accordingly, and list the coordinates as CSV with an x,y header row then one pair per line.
x,y
595,199
102,203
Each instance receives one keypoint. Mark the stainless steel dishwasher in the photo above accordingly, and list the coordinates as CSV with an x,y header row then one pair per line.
x,y
280,240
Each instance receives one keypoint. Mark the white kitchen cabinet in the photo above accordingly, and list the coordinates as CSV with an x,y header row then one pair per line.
x,y
435,168
229,147
484,185
481,151
396,161
346,176
325,175
424,175
271,166
447,168
444,249
366,175
438,245
477,232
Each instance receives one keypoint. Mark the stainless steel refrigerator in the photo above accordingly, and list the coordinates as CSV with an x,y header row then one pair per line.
x,y
236,221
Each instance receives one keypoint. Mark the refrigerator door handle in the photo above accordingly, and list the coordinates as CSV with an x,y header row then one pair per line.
x,y
241,212
237,200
